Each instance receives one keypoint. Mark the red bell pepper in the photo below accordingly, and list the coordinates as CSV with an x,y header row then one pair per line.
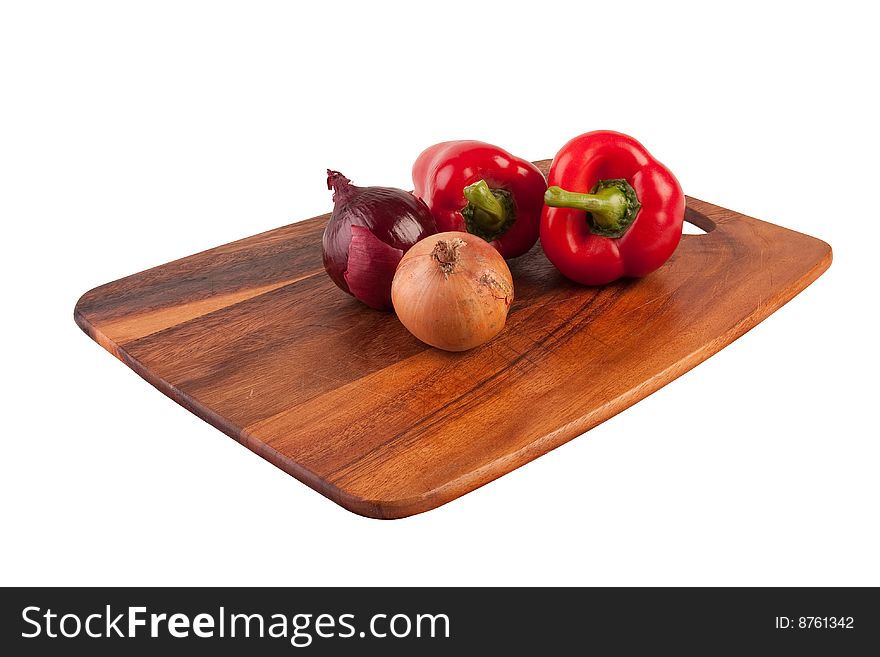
x,y
478,188
627,225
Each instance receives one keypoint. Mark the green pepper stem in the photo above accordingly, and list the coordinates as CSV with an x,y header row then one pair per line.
x,y
608,206
493,214
611,206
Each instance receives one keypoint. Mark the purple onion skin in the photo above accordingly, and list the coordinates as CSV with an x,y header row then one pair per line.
x,y
393,216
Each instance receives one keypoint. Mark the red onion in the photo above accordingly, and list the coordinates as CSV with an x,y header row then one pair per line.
x,y
368,233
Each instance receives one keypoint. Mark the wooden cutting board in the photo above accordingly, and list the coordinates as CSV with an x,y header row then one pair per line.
x,y
254,338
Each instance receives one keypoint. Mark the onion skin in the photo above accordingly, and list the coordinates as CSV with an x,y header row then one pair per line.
x,y
371,266
452,291
390,220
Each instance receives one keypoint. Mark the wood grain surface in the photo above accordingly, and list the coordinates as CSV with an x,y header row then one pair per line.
x,y
254,338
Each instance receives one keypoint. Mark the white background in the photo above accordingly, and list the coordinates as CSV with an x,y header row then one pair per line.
x,y
134,134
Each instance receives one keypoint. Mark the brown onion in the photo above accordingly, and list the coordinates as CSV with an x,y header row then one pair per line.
x,y
453,291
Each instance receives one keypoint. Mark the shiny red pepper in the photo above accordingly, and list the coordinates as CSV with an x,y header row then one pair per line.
x,y
612,209
478,188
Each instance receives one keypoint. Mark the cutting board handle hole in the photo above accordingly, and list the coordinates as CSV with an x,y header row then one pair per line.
x,y
696,223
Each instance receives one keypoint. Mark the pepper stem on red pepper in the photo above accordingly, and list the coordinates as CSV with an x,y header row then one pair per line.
x,y
611,206
489,212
